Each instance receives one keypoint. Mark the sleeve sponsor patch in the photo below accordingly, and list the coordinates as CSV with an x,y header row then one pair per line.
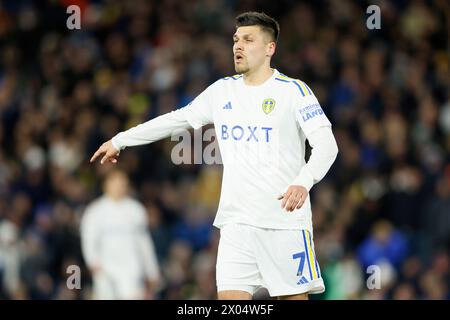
x,y
310,111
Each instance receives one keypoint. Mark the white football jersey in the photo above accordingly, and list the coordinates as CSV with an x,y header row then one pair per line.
x,y
114,236
261,132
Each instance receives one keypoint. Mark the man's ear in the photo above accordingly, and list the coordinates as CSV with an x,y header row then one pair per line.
x,y
271,46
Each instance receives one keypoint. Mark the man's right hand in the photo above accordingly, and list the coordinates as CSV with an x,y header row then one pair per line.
x,y
108,153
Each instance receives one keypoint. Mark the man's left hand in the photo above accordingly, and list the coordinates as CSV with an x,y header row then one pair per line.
x,y
294,198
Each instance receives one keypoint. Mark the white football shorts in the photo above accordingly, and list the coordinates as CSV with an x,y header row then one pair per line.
x,y
283,261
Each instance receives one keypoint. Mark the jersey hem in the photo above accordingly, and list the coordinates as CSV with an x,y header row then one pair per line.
x,y
294,226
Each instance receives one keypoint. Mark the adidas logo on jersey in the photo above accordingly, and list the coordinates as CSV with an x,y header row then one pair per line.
x,y
302,280
228,106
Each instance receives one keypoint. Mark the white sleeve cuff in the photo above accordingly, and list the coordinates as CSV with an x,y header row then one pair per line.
x,y
116,144
304,179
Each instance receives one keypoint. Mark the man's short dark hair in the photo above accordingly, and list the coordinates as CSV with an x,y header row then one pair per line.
x,y
267,24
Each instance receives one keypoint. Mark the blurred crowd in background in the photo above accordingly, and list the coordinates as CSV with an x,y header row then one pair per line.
x,y
385,201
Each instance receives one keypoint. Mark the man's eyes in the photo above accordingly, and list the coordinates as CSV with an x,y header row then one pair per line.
x,y
246,40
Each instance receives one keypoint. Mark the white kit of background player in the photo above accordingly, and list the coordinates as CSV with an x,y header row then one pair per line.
x,y
116,244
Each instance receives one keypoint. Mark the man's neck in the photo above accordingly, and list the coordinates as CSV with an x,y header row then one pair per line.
x,y
259,76
115,198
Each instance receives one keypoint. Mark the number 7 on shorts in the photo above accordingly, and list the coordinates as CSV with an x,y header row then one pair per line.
x,y
301,256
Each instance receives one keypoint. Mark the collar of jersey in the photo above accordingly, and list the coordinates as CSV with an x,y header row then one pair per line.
x,y
275,74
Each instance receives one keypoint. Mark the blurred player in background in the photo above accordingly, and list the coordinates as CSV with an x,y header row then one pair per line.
x,y
262,119
117,245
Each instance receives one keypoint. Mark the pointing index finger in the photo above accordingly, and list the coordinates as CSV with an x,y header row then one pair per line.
x,y
93,157
96,154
